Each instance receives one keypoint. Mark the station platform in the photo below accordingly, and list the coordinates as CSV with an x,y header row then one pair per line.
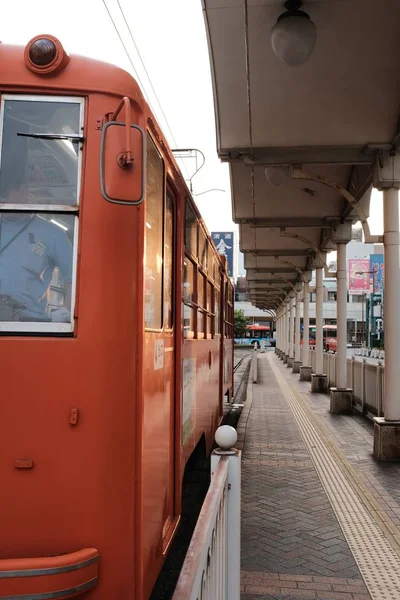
x,y
320,516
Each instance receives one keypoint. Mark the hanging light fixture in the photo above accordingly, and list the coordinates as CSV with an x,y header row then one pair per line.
x,y
294,35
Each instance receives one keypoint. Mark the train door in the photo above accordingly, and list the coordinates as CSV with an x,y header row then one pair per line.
x,y
169,350
158,444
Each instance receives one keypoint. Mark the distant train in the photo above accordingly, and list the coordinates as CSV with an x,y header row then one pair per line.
x,y
116,330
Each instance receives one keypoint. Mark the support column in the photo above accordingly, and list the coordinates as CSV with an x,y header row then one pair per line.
x,y
291,332
297,358
286,331
277,334
387,429
305,369
287,319
341,395
319,379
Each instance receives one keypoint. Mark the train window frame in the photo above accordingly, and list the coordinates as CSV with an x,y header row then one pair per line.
x,y
188,248
190,334
169,196
160,296
202,252
44,327
217,311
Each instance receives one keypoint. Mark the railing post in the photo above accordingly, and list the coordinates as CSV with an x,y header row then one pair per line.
x,y
363,403
379,398
255,366
226,437
352,372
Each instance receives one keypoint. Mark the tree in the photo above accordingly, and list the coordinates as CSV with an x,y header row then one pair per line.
x,y
241,321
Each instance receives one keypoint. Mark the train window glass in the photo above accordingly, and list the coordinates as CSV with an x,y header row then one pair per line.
x,y
209,259
209,297
188,321
200,290
202,249
217,315
209,326
190,229
200,324
168,263
154,237
40,166
188,298
36,270
188,281
40,156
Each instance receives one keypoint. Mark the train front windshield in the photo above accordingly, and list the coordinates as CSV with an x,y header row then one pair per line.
x,y
40,167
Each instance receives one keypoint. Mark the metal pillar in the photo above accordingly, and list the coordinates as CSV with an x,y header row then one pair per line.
x,y
306,325
341,303
392,300
279,330
305,369
277,324
297,328
341,395
319,368
287,319
291,328
319,379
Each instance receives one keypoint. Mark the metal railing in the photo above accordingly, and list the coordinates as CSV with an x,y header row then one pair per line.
x,y
365,379
254,366
211,570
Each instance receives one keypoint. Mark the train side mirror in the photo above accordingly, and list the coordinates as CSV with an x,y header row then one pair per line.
x,y
122,163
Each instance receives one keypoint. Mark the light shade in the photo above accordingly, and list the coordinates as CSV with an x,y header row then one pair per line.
x,y
293,37
278,176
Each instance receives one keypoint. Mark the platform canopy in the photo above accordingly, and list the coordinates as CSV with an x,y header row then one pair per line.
x,y
329,117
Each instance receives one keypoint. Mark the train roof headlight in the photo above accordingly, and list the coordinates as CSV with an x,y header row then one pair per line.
x,y
45,54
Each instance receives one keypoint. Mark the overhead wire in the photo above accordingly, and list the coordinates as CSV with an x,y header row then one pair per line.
x,y
144,68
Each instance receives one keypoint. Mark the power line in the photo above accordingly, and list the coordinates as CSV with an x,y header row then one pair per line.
x,y
127,53
144,68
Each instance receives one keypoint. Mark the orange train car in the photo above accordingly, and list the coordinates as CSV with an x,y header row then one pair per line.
x,y
116,327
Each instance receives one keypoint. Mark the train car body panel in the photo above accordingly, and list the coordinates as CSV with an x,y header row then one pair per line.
x,y
99,420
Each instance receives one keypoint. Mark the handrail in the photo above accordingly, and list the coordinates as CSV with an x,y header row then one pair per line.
x,y
198,557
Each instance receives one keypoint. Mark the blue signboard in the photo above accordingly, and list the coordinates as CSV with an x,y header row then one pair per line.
x,y
224,243
377,268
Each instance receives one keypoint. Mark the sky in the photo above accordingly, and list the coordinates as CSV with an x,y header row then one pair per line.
x,y
170,38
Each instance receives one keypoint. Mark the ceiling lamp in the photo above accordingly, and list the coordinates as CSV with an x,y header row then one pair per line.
x,y
279,175
294,35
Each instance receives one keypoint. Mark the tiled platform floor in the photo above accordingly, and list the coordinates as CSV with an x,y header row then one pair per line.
x,y
292,543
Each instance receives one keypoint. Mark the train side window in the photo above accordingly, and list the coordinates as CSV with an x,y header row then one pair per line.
x,y
210,310
154,237
217,311
169,262
190,229
188,298
201,315
202,249
40,171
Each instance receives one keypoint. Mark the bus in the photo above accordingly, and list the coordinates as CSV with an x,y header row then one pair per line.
x,y
256,333
329,339
116,330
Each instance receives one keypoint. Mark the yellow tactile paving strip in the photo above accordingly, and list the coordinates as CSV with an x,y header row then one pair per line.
x,y
372,537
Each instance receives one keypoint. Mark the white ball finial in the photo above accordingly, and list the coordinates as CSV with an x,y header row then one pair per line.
x,y
226,437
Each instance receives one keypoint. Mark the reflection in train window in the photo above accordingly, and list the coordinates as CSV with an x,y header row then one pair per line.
x,y
40,151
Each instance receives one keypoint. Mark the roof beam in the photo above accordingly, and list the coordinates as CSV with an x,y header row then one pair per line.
x,y
281,252
276,281
301,155
279,222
